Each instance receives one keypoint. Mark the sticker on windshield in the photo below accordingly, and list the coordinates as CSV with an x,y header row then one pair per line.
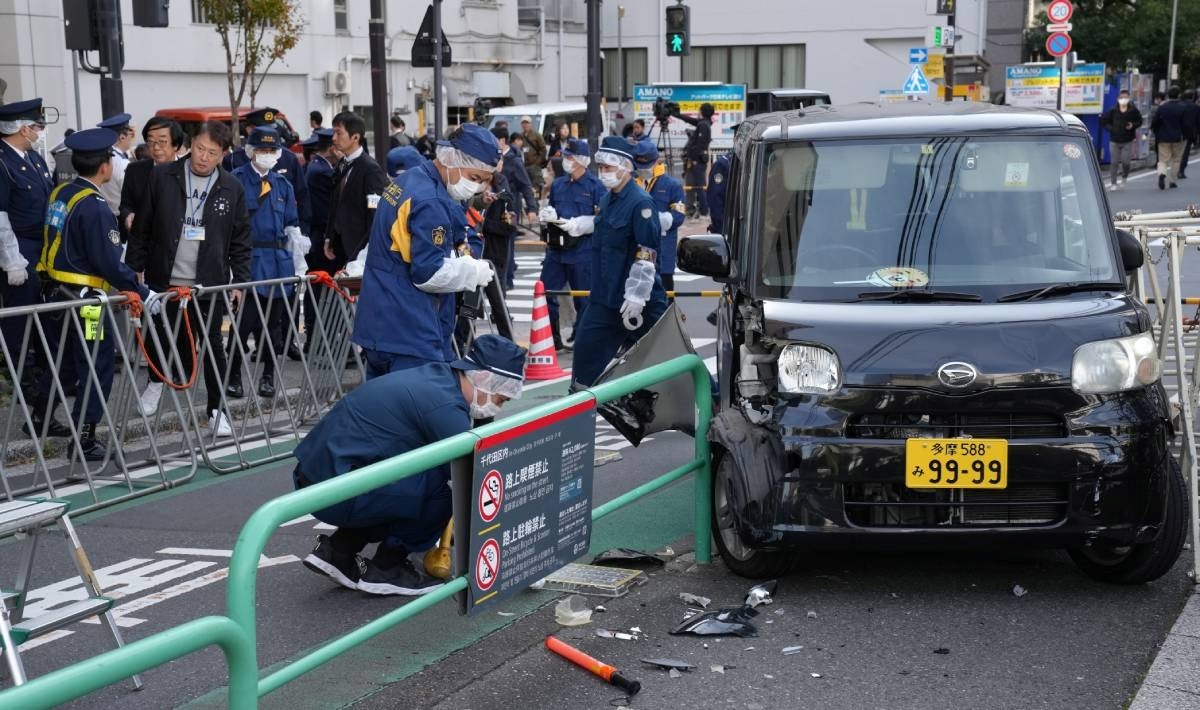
x,y
898,277
1072,151
1016,174
928,149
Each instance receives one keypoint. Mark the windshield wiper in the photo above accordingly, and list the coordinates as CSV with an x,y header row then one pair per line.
x,y
1034,294
909,294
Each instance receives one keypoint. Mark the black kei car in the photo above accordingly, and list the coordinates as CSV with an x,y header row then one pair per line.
x,y
926,339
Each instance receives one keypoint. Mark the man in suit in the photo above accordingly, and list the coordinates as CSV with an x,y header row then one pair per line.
x,y
193,228
1170,130
164,139
357,184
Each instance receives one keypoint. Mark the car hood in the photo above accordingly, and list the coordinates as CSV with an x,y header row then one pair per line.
x,y
904,344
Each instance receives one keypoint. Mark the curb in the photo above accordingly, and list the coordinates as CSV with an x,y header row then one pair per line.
x,y
1173,680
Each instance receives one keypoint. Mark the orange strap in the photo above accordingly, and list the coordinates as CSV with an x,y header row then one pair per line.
x,y
474,217
324,279
182,293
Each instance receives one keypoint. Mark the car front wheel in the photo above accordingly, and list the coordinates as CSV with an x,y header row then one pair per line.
x,y
740,557
1145,562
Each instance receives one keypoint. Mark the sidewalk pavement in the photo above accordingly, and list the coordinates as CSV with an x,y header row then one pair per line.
x,y
1173,682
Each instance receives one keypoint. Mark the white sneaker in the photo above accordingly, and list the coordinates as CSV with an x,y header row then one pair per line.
x,y
219,424
148,402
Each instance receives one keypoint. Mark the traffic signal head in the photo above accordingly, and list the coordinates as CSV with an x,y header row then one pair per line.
x,y
678,29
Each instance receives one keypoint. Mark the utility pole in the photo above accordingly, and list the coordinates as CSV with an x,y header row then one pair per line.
x,y
620,56
437,68
949,60
595,84
108,24
376,33
1171,44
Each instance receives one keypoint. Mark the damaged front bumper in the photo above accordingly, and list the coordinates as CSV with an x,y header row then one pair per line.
x,y
829,472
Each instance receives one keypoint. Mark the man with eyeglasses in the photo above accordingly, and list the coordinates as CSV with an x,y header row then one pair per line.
x,y
164,140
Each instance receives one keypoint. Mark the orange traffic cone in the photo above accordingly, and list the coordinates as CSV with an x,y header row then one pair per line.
x,y
542,361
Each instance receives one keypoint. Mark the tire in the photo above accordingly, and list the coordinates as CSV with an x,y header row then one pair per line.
x,y
1146,562
743,559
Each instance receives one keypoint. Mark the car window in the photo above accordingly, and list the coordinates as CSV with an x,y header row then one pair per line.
x,y
980,215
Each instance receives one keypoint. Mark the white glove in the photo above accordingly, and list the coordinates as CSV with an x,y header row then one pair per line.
x,y
483,272
665,221
16,277
548,214
631,312
153,302
579,226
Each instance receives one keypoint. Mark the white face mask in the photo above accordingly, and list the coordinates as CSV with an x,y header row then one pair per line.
x,y
646,174
487,410
1123,102
40,143
568,166
266,161
464,189
610,180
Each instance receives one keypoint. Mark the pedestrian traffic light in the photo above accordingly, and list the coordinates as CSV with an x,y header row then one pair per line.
x,y
678,28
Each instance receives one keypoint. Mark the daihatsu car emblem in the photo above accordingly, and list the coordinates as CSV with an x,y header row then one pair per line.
x,y
957,374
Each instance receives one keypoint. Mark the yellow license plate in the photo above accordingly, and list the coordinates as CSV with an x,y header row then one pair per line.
x,y
956,463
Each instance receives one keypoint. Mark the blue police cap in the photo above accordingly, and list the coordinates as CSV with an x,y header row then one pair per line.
x,y
575,146
496,354
403,157
645,154
261,117
265,137
476,141
91,140
29,110
618,146
116,123
321,136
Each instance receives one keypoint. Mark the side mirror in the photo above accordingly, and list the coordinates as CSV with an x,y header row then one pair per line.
x,y
1132,255
704,254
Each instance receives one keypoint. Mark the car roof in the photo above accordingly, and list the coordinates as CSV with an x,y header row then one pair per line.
x,y
206,113
558,107
790,92
867,119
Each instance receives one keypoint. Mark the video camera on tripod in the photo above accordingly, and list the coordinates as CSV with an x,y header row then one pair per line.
x,y
664,110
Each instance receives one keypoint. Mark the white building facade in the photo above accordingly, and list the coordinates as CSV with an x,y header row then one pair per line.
x,y
516,51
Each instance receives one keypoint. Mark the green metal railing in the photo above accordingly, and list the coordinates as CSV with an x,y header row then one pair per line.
x,y
236,633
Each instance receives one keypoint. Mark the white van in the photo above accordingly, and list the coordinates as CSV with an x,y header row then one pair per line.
x,y
546,116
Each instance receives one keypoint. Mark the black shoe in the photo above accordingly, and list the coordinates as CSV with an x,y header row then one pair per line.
x,y
1173,186
234,389
403,578
57,428
92,450
1181,176
293,353
342,568
712,317
1162,182
266,387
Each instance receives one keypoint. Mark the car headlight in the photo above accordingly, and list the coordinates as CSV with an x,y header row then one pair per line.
x,y
808,369
1118,365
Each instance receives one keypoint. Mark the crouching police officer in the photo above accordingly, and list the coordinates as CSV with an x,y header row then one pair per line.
x,y
406,308
667,193
385,417
627,293
275,235
81,258
568,222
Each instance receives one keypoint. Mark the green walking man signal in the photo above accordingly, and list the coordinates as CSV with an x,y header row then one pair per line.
x,y
678,28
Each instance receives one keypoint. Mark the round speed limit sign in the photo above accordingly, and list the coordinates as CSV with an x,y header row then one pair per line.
x,y
1060,11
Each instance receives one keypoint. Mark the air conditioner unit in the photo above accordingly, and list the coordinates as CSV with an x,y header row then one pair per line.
x,y
337,83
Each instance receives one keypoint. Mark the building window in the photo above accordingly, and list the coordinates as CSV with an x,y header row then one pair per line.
x,y
636,72
199,17
758,67
340,22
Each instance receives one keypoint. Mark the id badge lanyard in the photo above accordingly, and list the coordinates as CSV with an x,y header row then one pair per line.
x,y
199,208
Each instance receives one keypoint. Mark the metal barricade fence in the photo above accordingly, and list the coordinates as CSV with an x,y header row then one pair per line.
x,y
57,363
1171,233
236,633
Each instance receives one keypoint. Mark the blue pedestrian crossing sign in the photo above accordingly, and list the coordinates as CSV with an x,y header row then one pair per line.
x,y
916,82
918,55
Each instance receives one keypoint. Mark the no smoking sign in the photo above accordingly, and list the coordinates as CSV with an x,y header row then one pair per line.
x,y
491,496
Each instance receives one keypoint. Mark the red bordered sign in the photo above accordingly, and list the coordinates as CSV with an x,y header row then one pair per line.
x,y
491,496
1058,44
487,565
1060,11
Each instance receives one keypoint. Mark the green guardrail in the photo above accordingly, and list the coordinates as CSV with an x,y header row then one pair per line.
x,y
236,633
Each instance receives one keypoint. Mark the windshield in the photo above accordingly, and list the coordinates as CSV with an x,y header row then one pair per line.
x,y
793,103
514,121
983,216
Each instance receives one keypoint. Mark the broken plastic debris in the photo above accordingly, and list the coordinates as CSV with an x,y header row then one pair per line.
x,y
811,614
506,613
815,675
672,663
717,668
1019,591
674,673
667,552
606,634
792,650
748,648
729,621
623,556
760,593
768,676
779,612
699,601
572,611
599,609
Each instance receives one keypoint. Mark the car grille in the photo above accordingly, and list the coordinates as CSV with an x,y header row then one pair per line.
x,y
893,505
975,425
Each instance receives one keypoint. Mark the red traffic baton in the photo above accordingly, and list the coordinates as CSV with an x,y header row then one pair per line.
x,y
606,672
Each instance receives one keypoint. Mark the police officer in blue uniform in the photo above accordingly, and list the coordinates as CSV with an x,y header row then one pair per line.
x,y
401,158
288,164
667,193
81,258
385,417
275,235
25,185
568,222
406,309
122,154
717,184
627,293
318,179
